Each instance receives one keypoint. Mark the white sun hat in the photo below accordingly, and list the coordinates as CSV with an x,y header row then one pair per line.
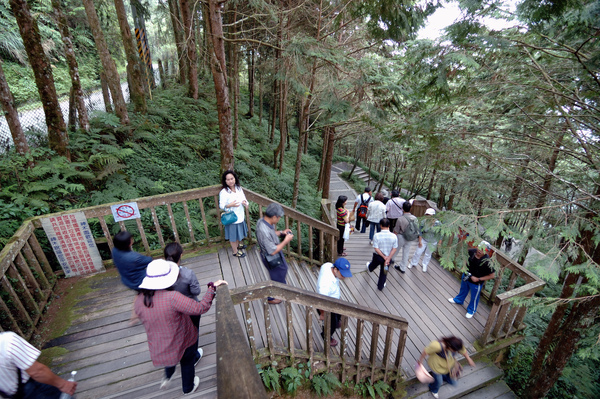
x,y
160,274
430,211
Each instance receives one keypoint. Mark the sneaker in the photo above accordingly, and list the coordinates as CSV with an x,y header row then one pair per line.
x,y
424,269
165,381
368,263
469,315
384,284
371,242
196,384
200,352
410,266
274,301
451,300
435,395
239,254
333,343
397,268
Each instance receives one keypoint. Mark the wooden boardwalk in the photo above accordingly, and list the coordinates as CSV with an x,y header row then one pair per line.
x,y
112,357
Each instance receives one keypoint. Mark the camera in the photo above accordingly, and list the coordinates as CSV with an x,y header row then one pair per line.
x,y
466,276
289,232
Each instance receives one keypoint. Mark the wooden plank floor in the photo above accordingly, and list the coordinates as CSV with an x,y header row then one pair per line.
x,y
112,357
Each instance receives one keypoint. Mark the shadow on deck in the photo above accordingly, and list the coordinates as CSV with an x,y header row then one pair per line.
x,y
112,356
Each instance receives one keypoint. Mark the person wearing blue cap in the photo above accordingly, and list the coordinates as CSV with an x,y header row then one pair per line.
x,y
328,284
479,271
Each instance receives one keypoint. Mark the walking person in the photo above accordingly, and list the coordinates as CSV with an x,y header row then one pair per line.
x,y
232,198
22,376
394,208
328,284
441,360
342,219
130,264
271,250
407,229
172,338
429,239
376,212
187,282
385,245
479,271
362,201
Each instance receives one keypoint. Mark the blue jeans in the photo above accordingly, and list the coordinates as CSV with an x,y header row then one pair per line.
x,y
188,372
372,230
36,390
438,380
475,290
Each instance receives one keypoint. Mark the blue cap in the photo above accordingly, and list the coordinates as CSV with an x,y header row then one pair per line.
x,y
343,266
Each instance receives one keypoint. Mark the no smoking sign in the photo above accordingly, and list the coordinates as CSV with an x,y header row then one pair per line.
x,y
127,211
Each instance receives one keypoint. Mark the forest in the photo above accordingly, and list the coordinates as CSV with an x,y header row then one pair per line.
x,y
500,128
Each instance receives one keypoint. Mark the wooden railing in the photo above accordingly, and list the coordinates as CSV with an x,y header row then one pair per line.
x,y
512,281
189,217
380,359
27,282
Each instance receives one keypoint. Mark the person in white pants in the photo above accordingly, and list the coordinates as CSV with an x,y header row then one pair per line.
x,y
429,239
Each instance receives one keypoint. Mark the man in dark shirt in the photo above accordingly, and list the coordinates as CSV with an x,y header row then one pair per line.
x,y
131,265
479,272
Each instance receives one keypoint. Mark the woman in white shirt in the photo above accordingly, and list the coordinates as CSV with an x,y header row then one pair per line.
x,y
232,198
375,213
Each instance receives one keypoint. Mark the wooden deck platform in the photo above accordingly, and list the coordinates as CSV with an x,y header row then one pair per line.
x,y
112,357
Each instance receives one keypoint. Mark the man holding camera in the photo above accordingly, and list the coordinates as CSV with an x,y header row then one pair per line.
x,y
479,271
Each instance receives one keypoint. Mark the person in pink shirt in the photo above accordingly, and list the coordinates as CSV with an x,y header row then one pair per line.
x,y
172,337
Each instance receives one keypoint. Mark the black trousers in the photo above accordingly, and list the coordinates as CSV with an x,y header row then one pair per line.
x,y
365,224
340,242
379,261
335,323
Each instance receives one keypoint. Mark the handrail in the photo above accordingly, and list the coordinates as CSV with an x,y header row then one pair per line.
x,y
189,217
506,318
368,322
237,377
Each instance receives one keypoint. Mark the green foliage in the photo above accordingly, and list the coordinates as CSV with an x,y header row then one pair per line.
x,y
324,384
293,379
369,390
270,378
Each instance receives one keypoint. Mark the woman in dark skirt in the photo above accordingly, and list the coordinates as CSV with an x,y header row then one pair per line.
x,y
232,198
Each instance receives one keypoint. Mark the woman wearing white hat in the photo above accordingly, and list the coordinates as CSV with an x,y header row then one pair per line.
x,y
429,239
172,338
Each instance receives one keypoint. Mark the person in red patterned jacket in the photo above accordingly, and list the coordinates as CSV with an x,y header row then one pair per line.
x,y
172,338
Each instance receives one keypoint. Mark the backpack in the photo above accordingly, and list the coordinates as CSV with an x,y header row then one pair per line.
x,y
363,207
411,232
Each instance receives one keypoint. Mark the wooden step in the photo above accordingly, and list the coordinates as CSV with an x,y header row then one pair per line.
x,y
473,379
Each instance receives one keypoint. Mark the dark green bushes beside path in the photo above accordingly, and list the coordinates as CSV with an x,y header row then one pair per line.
x,y
175,147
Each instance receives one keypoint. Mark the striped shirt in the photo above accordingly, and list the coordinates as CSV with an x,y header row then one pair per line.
x,y
15,353
170,331
385,241
341,214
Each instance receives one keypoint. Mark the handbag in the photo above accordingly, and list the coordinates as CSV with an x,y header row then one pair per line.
x,y
456,371
228,218
273,261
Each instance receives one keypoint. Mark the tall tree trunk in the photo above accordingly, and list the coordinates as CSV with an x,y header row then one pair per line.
x,y
12,116
260,101
576,313
65,35
105,92
431,183
161,73
72,119
108,64
219,72
179,43
250,113
133,66
44,80
330,135
189,38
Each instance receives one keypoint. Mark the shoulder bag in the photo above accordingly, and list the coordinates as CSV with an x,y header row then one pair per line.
x,y
228,218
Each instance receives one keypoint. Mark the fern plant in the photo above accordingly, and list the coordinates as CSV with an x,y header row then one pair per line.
x,y
325,383
292,379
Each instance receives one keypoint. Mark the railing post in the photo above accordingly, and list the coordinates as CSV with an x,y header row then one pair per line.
x,y
237,377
